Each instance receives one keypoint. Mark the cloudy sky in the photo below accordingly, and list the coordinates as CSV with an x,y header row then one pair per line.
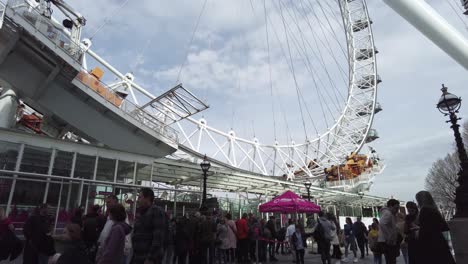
x,y
227,64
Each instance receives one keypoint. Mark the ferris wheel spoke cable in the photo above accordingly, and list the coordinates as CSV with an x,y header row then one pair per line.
x,y
322,63
191,40
336,91
107,18
289,66
457,12
319,94
328,45
333,33
269,66
293,71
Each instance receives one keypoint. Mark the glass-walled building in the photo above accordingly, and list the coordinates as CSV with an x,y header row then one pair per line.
x,y
66,175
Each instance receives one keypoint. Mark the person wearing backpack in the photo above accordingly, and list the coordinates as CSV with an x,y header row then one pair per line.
x,y
323,234
281,238
350,240
271,226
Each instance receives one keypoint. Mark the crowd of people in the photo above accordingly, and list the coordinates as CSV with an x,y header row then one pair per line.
x,y
420,236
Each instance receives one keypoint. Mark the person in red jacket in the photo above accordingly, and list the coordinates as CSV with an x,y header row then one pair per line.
x,y
243,238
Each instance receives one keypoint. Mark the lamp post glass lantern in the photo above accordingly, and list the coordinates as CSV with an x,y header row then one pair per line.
x,y
205,166
449,104
308,184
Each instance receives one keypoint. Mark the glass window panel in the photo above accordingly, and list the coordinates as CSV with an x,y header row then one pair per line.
x,y
143,173
105,170
28,193
5,187
35,160
8,155
84,167
62,163
125,172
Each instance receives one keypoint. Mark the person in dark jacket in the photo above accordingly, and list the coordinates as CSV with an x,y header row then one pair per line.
x,y
77,217
411,228
432,246
92,227
271,225
39,245
75,252
113,250
281,238
207,236
149,230
182,240
360,232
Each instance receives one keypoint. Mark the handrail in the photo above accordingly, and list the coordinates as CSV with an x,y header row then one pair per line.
x,y
60,39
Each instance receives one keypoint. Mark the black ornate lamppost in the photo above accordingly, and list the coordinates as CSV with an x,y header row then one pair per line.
x,y
308,184
449,104
205,166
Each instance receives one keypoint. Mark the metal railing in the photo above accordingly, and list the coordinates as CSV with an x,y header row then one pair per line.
x,y
52,30
60,39
130,109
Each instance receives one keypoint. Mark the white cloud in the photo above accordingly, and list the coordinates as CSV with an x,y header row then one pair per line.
x,y
227,64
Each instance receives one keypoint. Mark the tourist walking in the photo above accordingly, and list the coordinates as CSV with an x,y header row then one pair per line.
x,y
374,244
10,245
388,234
182,240
232,238
289,232
281,239
254,232
113,249
39,245
350,240
298,242
411,229
401,235
149,230
93,224
75,249
324,235
271,225
242,236
360,233
432,246
207,236
335,242
222,240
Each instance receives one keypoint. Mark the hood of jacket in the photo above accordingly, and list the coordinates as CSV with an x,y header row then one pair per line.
x,y
126,227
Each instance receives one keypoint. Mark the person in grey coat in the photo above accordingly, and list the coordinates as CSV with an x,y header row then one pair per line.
x,y
149,231
325,242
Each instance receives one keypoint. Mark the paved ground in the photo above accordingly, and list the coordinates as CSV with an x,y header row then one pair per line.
x,y
309,258
315,258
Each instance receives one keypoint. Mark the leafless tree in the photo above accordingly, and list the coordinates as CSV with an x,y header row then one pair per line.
x,y
441,180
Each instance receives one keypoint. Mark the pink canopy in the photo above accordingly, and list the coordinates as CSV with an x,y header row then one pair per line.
x,y
287,203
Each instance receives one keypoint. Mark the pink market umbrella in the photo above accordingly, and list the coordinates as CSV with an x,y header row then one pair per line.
x,y
288,203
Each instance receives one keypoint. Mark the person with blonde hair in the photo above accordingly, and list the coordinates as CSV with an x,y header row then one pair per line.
x,y
432,246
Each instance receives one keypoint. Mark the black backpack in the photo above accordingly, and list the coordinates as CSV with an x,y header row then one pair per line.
x,y
319,232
